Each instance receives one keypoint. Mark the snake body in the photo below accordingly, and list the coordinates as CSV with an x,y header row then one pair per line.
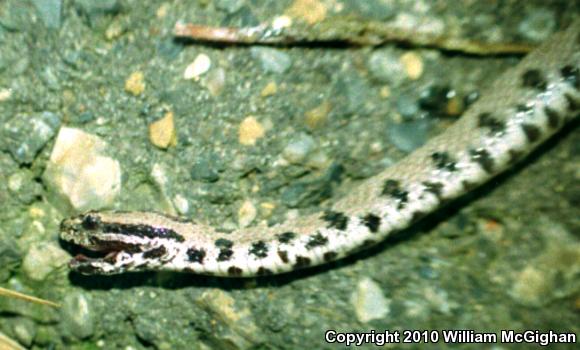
x,y
522,108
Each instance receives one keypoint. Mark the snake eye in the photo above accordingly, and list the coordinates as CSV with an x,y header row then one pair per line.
x,y
90,222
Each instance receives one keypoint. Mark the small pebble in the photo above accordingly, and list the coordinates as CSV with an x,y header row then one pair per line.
x,y
250,131
168,49
369,301
162,132
95,8
49,77
537,24
204,170
309,11
77,316
281,22
24,136
236,319
385,92
79,173
408,136
318,160
247,214
385,66
270,89
215,82
407,106
299,148
470,98
135,84
50,12
267,209
531,286
198,67
5,94
23,186
181,204
162,10
42,259
372,10
272,60
308,192
229,6
413,65
353,92
317,116
114,30
24,329
553,272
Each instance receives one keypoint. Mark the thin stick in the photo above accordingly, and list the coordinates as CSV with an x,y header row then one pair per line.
x,y
374,33
12,294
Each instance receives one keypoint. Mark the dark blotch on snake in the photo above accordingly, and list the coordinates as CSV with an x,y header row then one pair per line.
x,y
225,246
417,215
286,237
532,132
335,220
195,255
521,108
553,117
283,256
571,75
486,120
533,78
393,189
224,243
316,240
444,161
468,185
235,271
573,104
262,271
436,188
515,155
367,243
259,249
372,222
302,261
483,158
329,256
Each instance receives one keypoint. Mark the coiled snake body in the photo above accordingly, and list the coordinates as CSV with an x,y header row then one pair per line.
x,y
521,109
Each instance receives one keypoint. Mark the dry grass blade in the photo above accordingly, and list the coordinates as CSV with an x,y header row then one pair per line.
x,y
21,296
8,344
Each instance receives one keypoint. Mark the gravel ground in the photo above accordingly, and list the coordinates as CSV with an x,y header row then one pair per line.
x,y
238,135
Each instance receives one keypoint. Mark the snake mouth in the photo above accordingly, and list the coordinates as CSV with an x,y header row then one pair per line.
x,y
101,256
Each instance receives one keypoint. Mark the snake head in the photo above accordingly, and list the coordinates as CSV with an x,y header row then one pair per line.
x,y
117,243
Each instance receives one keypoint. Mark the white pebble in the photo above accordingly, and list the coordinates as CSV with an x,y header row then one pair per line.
x,y
79,174
198,67
42,259
181,204
246,214
369,301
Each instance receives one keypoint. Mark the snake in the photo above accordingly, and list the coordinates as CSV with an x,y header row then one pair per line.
x,y
521,109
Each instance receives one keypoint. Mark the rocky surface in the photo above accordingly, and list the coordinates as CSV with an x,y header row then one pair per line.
x,y
238,135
